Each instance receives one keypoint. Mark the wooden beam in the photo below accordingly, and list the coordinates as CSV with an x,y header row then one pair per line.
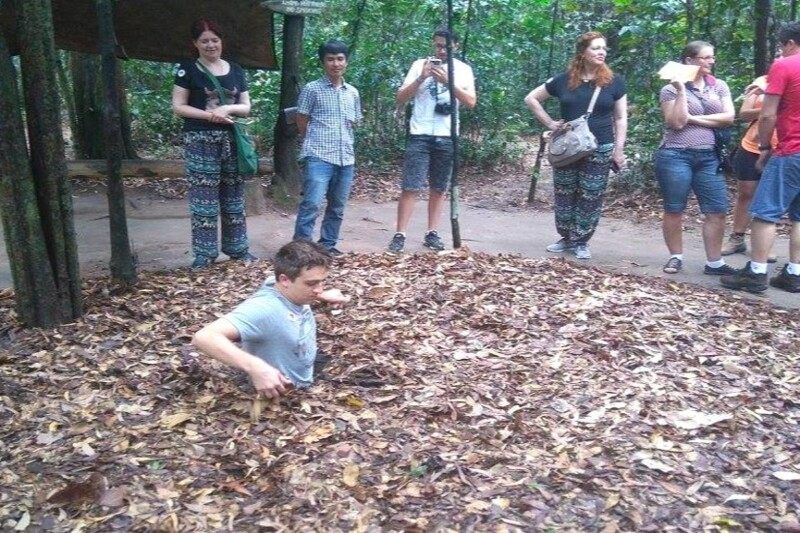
x,y
146,168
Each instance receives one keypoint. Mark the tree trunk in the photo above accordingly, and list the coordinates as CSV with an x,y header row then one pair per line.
x,y
123,269
467,27
357,25
25,245
53,193
66,92
287,170
690,16
761,59
87,86
708,20
128,151
88,101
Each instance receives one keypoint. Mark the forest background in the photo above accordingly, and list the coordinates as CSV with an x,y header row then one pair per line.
x,y
512,45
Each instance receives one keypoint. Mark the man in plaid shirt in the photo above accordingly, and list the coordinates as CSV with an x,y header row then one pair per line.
x,y
327,111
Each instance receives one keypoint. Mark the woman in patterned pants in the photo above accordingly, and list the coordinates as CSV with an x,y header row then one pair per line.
x,y
580,186
216,190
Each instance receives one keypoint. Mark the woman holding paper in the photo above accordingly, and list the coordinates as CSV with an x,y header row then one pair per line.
x,y
216,190
693,104
744,166
580,186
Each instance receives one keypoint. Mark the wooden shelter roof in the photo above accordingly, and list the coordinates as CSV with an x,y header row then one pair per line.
x,y
158,30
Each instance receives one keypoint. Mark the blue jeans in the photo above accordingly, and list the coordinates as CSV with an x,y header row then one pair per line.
x,y
323,180
778,191
680,170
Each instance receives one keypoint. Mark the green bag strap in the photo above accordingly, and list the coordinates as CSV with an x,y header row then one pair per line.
x,y
214,80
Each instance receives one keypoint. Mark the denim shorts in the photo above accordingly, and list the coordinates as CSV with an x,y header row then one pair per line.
x,y
778,192
744,165
428,162
680,170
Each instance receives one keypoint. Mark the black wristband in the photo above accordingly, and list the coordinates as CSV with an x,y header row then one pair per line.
x,y
762,148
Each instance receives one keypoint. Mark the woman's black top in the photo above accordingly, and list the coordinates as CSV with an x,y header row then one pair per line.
x,y
203,95
575,102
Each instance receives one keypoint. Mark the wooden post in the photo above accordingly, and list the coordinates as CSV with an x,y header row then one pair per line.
x,y
287,170
537,169
455,226
122,264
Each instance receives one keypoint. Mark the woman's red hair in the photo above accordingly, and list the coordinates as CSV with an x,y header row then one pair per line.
x,y
575,70
200,25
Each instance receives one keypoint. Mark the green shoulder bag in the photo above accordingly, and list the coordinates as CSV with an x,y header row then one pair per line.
x,y
246,156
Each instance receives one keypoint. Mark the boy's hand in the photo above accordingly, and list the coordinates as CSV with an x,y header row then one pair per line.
x,y
333,297
268,380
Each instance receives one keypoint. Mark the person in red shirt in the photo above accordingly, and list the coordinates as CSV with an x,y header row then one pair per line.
x,y
778,191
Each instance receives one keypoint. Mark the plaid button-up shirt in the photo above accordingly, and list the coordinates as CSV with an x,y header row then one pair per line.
x,y
333,113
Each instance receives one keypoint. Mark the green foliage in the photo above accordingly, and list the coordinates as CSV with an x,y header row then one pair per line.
x,y
508,44
392,34
150,102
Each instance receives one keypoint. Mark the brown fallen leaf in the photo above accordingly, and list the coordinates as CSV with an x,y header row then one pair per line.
x,y
319,433
354,401
170,421
457,335
113,497
90,489
611,501
350,474
236,486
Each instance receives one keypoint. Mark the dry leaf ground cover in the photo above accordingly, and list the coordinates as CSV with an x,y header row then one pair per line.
x,y
465,392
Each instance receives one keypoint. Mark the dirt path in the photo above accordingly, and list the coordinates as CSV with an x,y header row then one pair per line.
x,y
159,231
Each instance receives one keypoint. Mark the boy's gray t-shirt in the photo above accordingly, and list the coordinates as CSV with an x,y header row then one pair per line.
x,y
278,331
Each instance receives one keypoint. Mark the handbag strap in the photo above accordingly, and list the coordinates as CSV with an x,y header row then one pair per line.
x,y
593,100
703,101
699,97
214,80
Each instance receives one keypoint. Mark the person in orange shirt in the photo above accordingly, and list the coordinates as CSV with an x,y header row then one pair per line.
x,y
744,166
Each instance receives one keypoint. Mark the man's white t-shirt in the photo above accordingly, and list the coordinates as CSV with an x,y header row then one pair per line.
x,y
424,121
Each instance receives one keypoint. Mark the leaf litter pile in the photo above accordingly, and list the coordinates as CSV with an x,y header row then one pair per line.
x,y
464,391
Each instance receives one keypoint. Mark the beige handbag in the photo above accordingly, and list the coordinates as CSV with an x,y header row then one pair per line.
x,y
573,141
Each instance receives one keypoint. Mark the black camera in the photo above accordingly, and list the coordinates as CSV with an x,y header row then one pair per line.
x,y
443,108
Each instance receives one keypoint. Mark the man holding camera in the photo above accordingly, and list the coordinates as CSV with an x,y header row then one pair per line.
x,y
429,151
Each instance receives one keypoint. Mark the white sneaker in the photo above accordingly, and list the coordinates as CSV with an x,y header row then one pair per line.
x,y
561,246
582,251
